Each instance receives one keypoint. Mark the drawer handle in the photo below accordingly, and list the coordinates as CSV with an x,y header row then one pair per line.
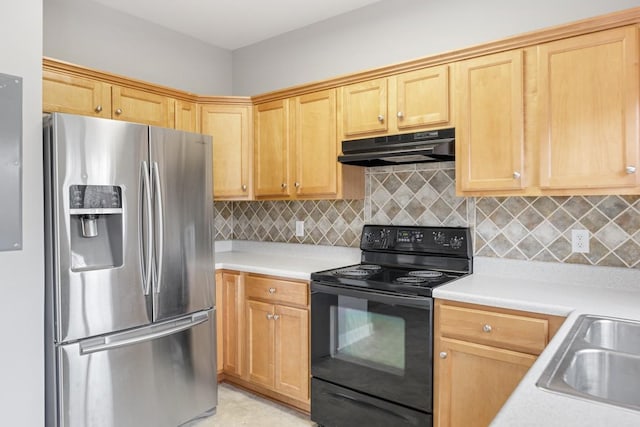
x,y
443,355
272,290
269,316
276,316
487,328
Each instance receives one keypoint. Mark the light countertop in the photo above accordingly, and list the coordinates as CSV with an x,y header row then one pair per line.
x,y
293,261
557,289
550,288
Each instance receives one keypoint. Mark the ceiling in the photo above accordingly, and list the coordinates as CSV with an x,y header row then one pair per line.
x,y
232,24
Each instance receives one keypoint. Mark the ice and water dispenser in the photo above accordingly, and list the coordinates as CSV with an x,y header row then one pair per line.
x,y
96,226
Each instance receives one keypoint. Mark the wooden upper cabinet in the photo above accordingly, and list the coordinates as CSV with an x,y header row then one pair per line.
x,y
490,123
271,150
230,127
422,98
364,108
402,103
64,93
315,140
186,116
588,111
138,106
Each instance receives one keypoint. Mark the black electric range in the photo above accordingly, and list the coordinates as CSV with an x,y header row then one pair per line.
x,y
372,327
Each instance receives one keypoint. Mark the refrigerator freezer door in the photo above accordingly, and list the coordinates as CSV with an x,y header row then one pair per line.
x,y
97,281
159,375
181,181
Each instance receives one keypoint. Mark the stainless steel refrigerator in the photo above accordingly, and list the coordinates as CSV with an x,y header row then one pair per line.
x,y
130,293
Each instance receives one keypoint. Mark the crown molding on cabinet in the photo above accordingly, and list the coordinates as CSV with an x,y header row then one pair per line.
x,y
589,25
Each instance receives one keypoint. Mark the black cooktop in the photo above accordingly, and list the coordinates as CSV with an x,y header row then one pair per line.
x,y
390,279
405,260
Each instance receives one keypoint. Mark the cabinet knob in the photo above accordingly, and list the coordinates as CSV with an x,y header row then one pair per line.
x,y
487,328
118,111
244,187
283,185
400,114
98,109
380,118
443,355
269,316
296,184
272,290
276,316
516,175
630,169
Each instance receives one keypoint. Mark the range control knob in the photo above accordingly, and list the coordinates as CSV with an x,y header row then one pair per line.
x,y
456,242
439,238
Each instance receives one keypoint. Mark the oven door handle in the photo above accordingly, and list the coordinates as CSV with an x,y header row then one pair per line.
x,y
419,302
368,405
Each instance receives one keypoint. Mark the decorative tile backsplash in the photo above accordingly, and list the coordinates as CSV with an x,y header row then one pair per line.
x,y
337,223
527,228
422,194
539,228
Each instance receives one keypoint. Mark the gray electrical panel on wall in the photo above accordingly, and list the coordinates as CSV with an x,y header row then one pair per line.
x,y
10,162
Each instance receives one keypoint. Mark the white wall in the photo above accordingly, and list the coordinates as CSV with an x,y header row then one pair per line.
x,y
22,272
394,31
90,34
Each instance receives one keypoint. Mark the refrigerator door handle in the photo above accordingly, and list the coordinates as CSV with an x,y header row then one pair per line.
x,y
145,196
160,217
94,345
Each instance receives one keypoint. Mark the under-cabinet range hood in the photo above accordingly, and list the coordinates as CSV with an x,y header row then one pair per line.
x,y
417,147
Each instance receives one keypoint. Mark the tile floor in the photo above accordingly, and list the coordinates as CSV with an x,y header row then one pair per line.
x,y
238,408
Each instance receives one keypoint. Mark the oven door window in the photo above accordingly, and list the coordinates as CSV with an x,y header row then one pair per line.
x,y
367,338
373,344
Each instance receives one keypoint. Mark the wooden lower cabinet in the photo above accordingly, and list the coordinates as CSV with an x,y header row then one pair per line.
x,y
265,336
481,354
219,325
232,323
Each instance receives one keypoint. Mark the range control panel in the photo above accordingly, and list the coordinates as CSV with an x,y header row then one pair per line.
x,y
437,240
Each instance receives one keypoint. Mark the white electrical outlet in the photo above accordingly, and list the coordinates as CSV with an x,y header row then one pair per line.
x,y
580,241
299,228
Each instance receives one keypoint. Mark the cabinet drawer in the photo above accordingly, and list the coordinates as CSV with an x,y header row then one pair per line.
x,y
277,290
509,331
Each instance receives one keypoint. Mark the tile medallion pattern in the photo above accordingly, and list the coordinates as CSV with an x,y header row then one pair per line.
x,y
526,228
422,194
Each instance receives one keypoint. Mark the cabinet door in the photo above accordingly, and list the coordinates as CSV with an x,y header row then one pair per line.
x,y
233,323
588,119
315,139
134,105
423,97
63,93
186,116
473,381
490,122
292,352
364,108
271,149
260,342
219,324
229,125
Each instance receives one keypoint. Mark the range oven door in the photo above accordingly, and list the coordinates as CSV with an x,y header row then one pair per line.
x,y
373,343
